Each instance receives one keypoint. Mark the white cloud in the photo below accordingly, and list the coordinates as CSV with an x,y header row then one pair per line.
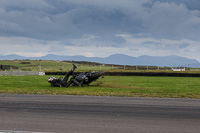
x,y
134,47
99,28
27,47
162,47
169,20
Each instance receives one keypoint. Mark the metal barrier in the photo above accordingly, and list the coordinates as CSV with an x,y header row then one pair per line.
x,y
20,73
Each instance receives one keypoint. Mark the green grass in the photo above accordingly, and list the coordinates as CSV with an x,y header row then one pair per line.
x,y
33,65
63,66
132,86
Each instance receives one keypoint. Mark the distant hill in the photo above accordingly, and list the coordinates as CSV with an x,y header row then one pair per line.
x,y
119,59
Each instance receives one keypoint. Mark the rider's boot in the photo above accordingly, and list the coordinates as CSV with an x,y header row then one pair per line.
x,y
74,67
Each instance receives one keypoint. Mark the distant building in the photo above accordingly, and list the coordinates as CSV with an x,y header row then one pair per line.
x,y
178,69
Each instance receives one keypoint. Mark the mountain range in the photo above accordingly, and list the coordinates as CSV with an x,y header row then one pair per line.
x,y
119,59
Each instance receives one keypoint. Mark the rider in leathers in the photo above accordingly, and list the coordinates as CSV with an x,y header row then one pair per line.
x,y
63,82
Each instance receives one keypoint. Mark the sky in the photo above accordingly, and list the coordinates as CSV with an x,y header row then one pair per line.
x,y
99,28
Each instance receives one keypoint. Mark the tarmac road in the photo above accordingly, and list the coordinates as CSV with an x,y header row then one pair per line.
x,y
93,114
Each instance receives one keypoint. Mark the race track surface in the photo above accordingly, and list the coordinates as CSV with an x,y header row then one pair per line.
x,y
93,114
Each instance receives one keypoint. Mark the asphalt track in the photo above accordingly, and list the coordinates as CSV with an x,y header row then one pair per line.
x,y
93,114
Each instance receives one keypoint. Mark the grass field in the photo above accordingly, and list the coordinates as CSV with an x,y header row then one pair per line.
x,y
131,86
45,65
63,66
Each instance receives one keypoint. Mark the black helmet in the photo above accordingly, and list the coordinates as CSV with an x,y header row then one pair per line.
x,y
51,78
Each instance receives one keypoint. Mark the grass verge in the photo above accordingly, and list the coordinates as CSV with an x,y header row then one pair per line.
x,y
131,86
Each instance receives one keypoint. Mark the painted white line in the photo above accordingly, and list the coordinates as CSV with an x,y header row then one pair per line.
x,y
8,131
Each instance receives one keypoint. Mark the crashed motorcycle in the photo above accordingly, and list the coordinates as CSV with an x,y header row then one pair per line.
x,y
79,79
87,77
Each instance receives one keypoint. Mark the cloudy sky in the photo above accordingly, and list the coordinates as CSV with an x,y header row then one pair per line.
x,y
100,28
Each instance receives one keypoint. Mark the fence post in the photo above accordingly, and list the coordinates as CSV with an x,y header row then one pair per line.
x,y
1,67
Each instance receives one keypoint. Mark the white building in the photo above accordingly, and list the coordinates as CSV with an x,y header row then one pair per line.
x,y
178,69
